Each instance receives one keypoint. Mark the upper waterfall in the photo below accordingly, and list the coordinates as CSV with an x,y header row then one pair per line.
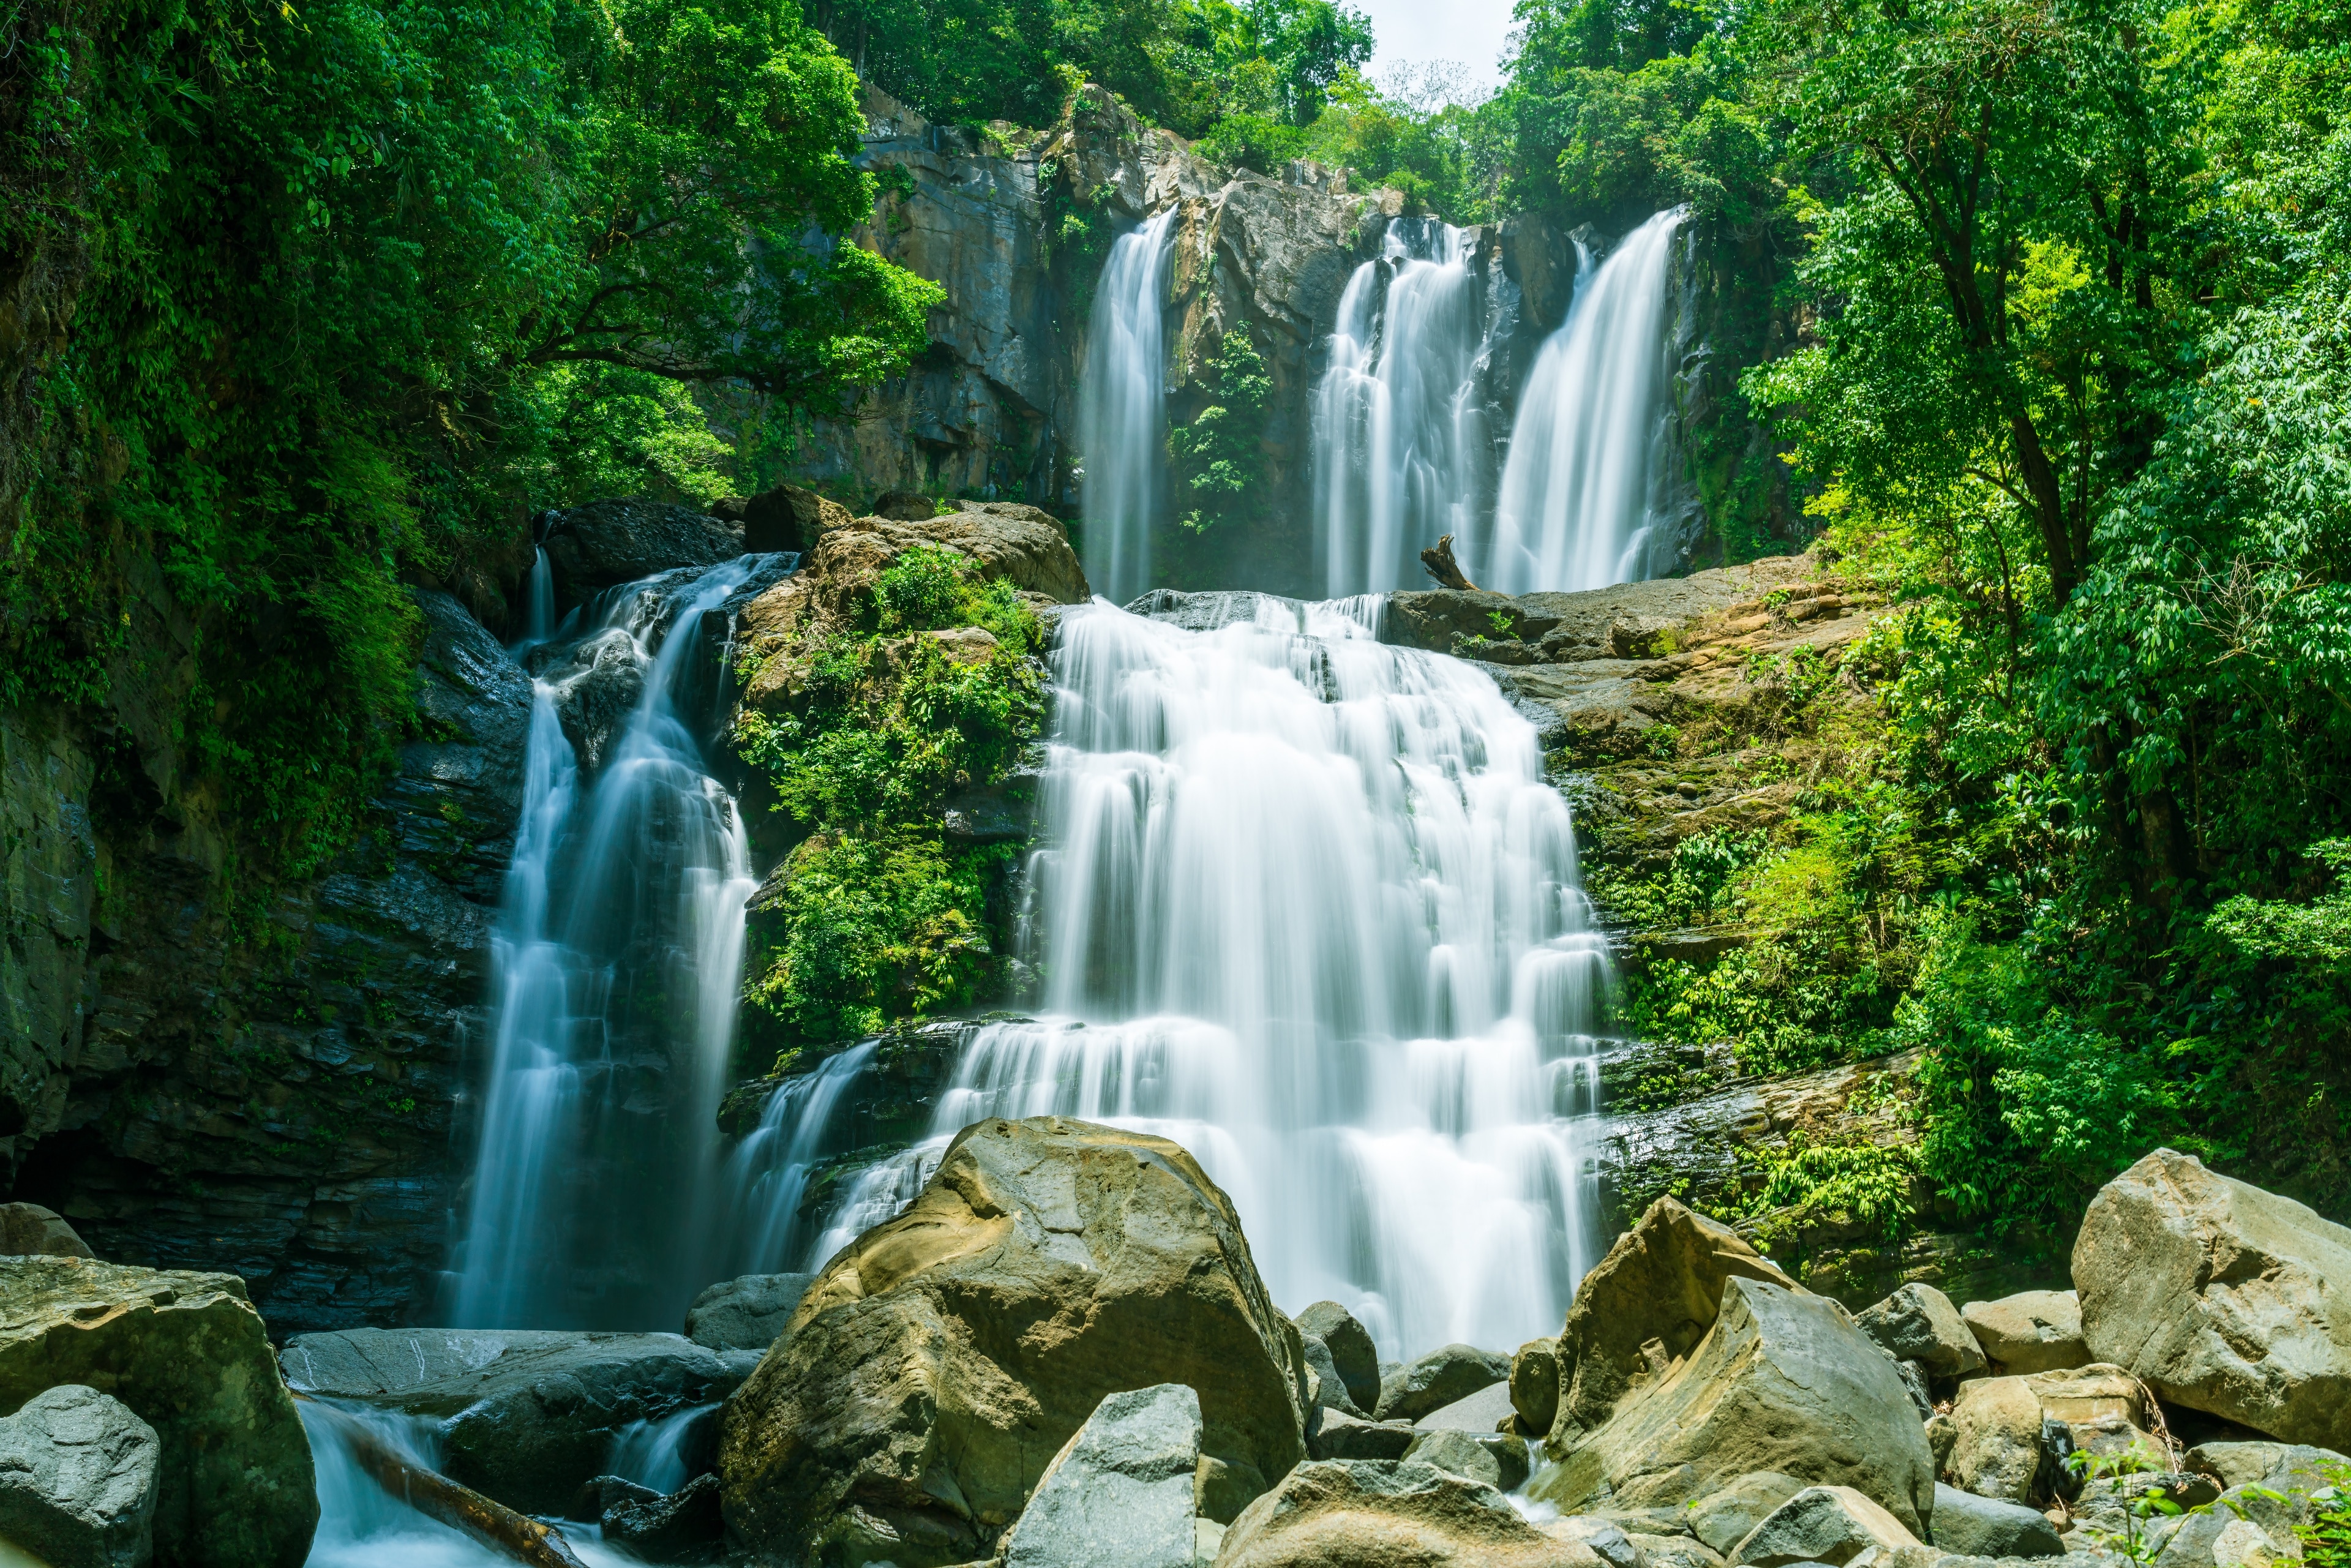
x,y
1122,419
1582,486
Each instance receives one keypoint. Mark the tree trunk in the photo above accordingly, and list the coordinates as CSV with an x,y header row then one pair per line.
x,y
436,1497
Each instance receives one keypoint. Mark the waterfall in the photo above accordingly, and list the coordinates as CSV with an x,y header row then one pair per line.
x,y
1307,906
1582,487
1402,449
1123,416
617,956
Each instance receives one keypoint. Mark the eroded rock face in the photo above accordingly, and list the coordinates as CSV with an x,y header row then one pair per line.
x,y
603,544
1347,1514
2221,1297
530,1414
187,1354
1782,1382
941,1360
78,1480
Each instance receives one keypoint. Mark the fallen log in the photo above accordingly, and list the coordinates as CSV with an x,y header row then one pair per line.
x,y
1438,563
438,1498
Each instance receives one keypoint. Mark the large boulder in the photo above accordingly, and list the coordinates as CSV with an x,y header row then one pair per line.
x,y
1487,1457
1120,1492
1822,1524
2000,1452
2033,1331
1488,1411
1782,1381
1327,1387
1917,1322
2103,1408
1445,1374
1357,1513
1663,1282
26,1229
1972,1526
943,1359
1339,1436
189,1356
606,543
1003,540
78,1480
746,1314
1728,1514
1534,1386
1351,1348
529,1417
787,518
2221,1297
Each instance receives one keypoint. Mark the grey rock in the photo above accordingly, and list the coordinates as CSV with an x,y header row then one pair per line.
x,y
1351,1348
1497,1460
28,1229
1822,1524
1984,1527
1345,1514
1677,1552
78,1480
1534,1384
1606,1538
1486,1412
745,1313
1345,1437
605,543
1730,1513
2244,1464
1119,1491
682,1526
1782,1382
2221,1297
1437,1379
1998,1450
1221,1488
1330,1387
2033,1331
530,1414
1917,1322
1914,1378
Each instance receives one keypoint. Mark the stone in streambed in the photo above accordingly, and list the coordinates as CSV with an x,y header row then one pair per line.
x,y
1345,1437
1330,1387
1975,1526
1782,1382
1603,1538
2221,1297
1497,1460
1822,1524
2033,1331
1486,1412
942,1360
1349,1514
606,543
1122,1490
1998,1449
1729,1514
78,1480
680,1526
1351,1348
1534,1386
746,1314
530,1415
1917,1322
1437,1379
189,1356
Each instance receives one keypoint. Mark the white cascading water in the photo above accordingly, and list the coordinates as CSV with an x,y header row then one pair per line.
x,y
1582,488
1307,907
1403,451
1123,412
617,958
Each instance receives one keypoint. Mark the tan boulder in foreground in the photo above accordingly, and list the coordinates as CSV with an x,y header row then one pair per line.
x,y
1340,1513
942,1360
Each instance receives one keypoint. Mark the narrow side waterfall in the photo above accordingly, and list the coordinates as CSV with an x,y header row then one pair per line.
x,y
1403,452
1123,421
616,959
1306,905
1582,486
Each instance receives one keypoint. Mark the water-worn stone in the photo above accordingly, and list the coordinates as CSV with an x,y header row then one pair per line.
x,y
1534,1386
745,1313
1350,1514
943,1358
1435,1380
2221,1297
1998,1453
1604,1537
26,1229
2103,1408
1345,1437
1677,1552
1728,1514
1497,1460
1352,1352
1917,1322
1119,1491
78,1480
1822,1524
1976,1526
1486,1412
2033,1331
786,517
1330,1389
1782,1382
530,1414
605,543
1663,1281
682,1526
188,1355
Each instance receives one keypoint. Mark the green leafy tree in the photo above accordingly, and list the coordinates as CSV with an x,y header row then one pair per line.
x,y
1219,464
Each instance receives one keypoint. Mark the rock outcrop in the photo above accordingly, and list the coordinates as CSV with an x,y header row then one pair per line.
x,y
529,1417
77,1475
1119,1491
603,544
746,1314
940,1360
2221,1297
187,1354
1346,1513
1782,1382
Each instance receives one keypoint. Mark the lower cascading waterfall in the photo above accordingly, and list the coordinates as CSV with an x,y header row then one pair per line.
x,y
1304,903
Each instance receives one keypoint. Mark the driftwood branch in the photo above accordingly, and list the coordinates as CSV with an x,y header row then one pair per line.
x,y
1440,565
436,1497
